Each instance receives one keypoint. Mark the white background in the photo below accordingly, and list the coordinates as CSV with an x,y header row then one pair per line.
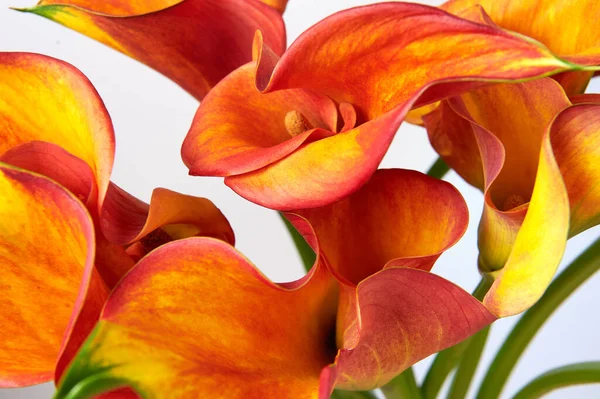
x,y
151,116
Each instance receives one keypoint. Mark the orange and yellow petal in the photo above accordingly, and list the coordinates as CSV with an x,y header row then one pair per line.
x,y
342,55
195,43
405,315
217,328
237,129
47,252
170,215
331,58
399,218
279,5
575,138
539,244
578,41
68,112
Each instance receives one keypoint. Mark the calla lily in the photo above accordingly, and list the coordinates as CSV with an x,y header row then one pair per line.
x,y
53,123
368,309
577,41
182,39
311,127
535,155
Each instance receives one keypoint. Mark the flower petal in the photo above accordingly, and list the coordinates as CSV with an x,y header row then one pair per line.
x,y
405,315
575,137
194,42
68,112
218,327
126,219
47,251
578,41
399,218
331,57
237,129
539,244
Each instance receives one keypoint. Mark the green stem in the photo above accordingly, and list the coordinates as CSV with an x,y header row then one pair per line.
x,y
304,250
404,386
352,395
527,327
446,360
574,374
438,169
474,348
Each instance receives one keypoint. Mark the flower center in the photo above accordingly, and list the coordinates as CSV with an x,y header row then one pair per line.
x,y
296,123
513,201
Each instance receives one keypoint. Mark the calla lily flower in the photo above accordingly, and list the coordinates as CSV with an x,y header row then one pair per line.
x,y
65,243
535,155
577,41
368,309
195,43
311,127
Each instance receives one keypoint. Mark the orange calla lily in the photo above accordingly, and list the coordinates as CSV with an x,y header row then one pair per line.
x,y
578,41
182,39
368,309
535,156
271,127
70,140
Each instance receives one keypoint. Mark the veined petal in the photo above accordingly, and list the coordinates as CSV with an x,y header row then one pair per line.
x,y
46,252
218,327
578,41
68,112
575,138
237,129
419,44
399,218
405,315
194,42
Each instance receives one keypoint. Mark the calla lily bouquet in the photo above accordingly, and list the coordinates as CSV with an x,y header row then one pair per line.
x,y
111,297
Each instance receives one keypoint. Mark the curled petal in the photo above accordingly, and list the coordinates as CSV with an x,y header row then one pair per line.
x,y
194,42
46,252
126,219
237,129
217,326
279,5
399,218
332,56
405,315
575,137
68,112
539,245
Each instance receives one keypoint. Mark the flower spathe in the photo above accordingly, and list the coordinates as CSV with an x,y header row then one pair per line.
x,y
535,156
53,123
219,326
429,54
195,43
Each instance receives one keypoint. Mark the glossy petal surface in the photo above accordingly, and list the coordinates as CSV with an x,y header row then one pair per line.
x,y
194,42
218,328
341,57
46,253
68,112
